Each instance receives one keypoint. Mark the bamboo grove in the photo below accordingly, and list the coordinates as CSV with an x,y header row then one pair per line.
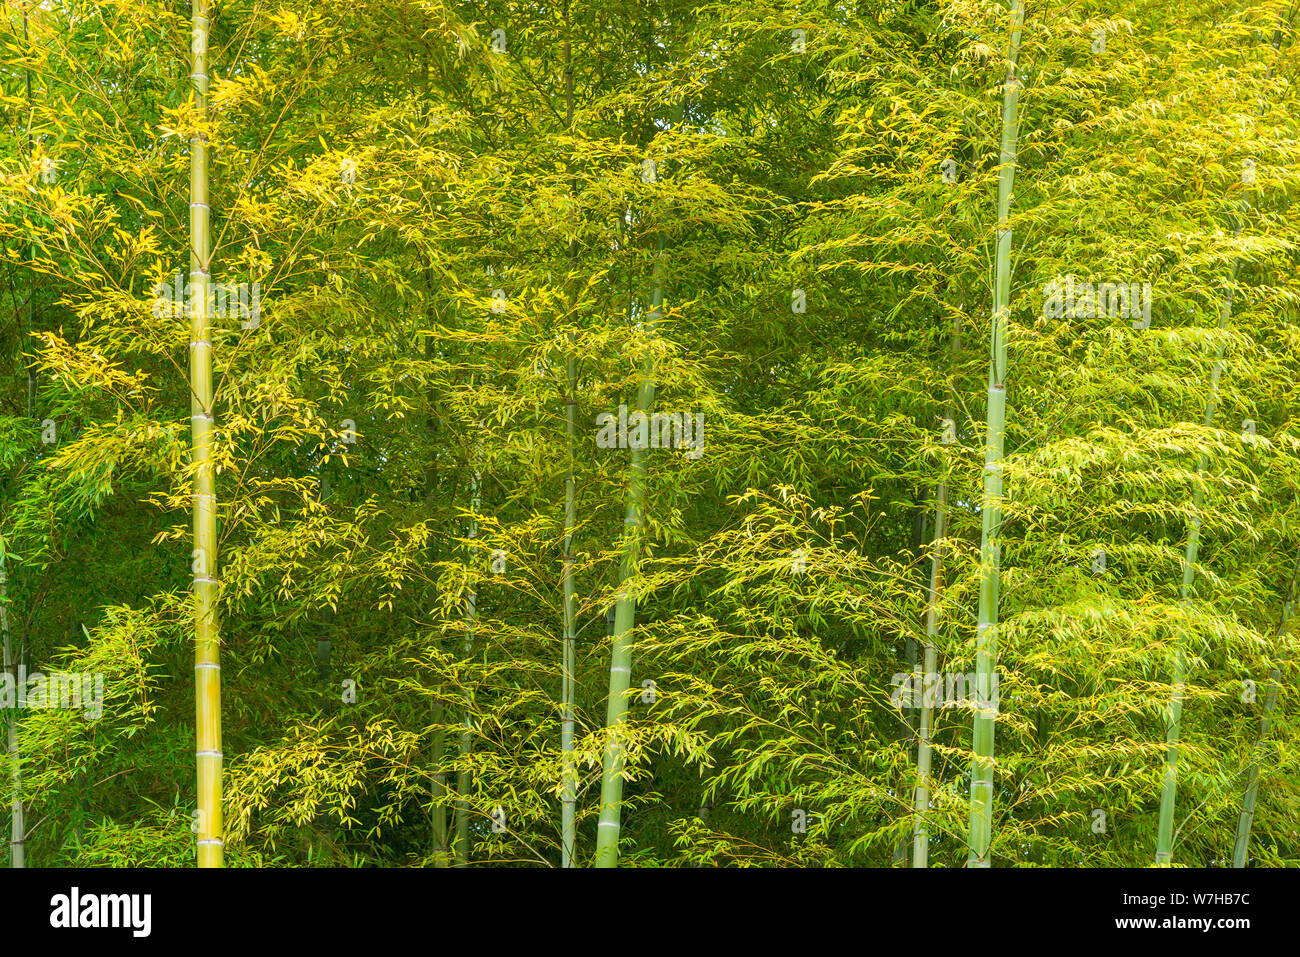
x,y
649,434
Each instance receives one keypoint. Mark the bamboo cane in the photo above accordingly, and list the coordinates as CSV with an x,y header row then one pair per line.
x,y
924,751
1242,843
620,668
207,667
1240,848
981,787
17,822
1173,727
568,770
909,727
461,845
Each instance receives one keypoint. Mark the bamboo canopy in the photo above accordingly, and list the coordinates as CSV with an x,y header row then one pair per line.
x,y
592,458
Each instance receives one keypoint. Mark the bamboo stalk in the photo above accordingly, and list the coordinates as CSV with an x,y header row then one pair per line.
x,y
207,667
1247,819
461,844
1173,727
439,789
986,647
1240,848
924,751
921,803
909,726
17,821
568,770
438,749
438,776
31,251
620,667
323,643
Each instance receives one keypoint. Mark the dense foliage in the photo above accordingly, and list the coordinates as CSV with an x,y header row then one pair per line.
x,y
459,221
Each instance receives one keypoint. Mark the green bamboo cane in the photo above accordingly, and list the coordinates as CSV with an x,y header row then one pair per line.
x,y
986,647
569,778
31,251
438,777
439,789
568,770
1173,727
207,667
323,644
924,751
17,822
1241,846
438,749
461,845
909,727
620,668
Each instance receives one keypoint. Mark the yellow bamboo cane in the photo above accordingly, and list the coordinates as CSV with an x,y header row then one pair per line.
x,y
207,667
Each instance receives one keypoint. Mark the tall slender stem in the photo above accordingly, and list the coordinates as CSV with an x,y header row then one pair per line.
x,y
438,749
986,641
568,825
1173,727
1241,845
439,787
438,776
909,727
568,771
620,667
17,822
1240,848
461,847
924,751
31,252
207,666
